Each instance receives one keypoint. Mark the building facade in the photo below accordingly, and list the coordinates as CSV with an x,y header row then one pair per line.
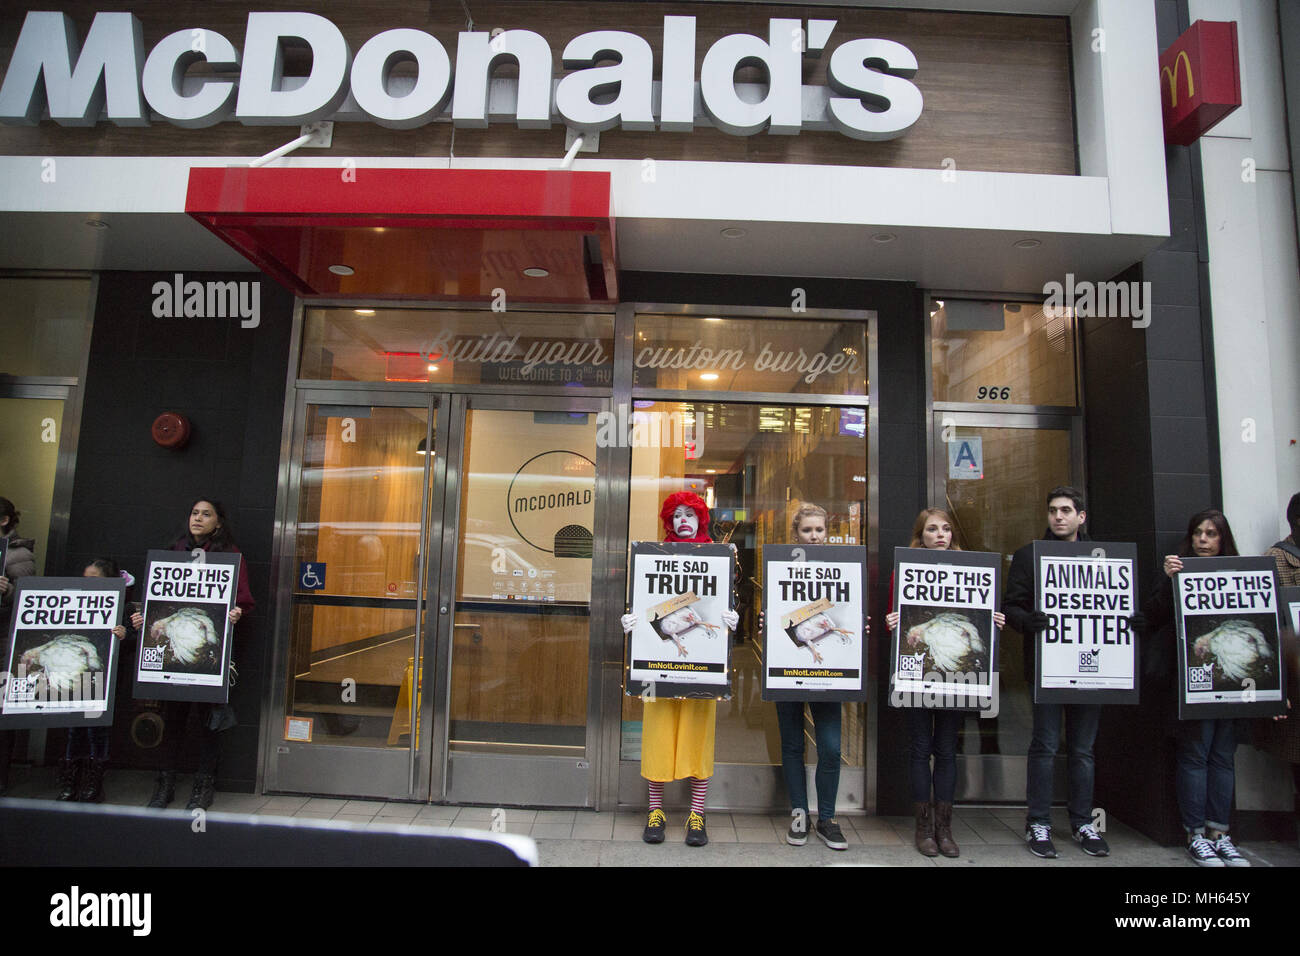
x,y
552,262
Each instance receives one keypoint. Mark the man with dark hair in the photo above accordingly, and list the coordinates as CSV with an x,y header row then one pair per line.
x,y
1287,551
1065,518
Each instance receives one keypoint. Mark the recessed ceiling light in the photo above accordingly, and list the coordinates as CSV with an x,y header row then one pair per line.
x,y
536,273
709,376
341,270
712,320
734,232
433,368
1027,243
96,224
364,311
883,237
710,471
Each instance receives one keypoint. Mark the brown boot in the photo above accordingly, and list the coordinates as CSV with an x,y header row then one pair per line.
x,y
943,830
925,830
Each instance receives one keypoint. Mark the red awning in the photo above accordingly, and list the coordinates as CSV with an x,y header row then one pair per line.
x,y
459,234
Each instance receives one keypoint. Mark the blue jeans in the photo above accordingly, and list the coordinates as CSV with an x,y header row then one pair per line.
x,y
933,732
96,737
1204,773
826,730
1080,734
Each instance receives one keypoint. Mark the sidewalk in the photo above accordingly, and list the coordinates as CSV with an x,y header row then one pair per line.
x,y
987,836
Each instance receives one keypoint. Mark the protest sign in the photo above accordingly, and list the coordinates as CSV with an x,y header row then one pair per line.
x,y
1229,654
62,658
680,646
943,654
185,645
814,603
1088,653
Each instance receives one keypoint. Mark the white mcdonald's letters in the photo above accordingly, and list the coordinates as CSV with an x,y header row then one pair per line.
x,y
611,83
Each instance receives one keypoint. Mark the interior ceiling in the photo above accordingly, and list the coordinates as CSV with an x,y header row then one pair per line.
x,y
949,259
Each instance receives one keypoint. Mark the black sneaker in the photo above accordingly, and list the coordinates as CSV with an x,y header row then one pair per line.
x,y
1090,841
831,834
696,835
1202,851
1039,838
654,827
798,834
1228,853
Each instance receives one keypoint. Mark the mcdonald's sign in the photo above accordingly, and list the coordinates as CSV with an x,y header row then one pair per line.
x,y
1200,80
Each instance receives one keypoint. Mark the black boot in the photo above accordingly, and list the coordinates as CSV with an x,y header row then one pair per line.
x,y
92,781
165,791
68,771
201,796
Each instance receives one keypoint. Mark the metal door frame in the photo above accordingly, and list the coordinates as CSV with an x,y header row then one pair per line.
x,y
325,768
478,777
994,778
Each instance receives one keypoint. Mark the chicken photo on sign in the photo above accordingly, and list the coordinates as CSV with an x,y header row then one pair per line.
x,y
1230,653
674,620
948,642
1230,661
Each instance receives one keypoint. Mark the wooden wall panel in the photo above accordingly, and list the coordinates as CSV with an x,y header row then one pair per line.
x,y
996,87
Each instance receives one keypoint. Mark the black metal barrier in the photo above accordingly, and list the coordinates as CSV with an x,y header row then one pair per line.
x,y
44,833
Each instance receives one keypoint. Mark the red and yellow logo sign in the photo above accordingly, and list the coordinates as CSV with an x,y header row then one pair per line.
x,y
1200,80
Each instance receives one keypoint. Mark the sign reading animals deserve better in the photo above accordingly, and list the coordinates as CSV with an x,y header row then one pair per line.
x,y
1088,653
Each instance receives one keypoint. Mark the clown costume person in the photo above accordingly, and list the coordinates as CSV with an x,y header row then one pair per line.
x,y
677,735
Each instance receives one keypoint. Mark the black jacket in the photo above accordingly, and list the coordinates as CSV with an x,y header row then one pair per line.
x,y
1018,599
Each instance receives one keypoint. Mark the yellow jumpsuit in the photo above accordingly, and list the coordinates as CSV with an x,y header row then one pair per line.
x,y
677,739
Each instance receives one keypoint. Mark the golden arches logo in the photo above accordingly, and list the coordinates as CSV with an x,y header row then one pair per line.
x,y
1171,74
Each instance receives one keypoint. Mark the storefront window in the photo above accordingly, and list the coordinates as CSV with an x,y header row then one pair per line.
x,y
449,347
1001,353
29,431
754,465
44,326
748,355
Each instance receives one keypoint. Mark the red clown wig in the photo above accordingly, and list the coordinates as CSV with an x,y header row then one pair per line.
x,y
696,504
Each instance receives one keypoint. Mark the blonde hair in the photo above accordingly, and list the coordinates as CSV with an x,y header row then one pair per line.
x,y
806,511
924,518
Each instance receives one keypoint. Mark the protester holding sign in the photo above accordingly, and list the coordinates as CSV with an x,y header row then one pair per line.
x,y
1065,519
808,526
81,777
932,731
1282,739
677,735
17,560
208,531
1205,748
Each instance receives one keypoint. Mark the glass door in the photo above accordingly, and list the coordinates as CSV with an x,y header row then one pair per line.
x,y
516,688
366,480
992,473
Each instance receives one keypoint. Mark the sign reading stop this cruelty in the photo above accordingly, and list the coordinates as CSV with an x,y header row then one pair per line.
x,y
1229,654
185,643
1088,652
680,646
944,650
61,665
814,604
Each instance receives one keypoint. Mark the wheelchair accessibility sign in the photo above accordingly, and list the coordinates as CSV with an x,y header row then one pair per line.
x,y
311,575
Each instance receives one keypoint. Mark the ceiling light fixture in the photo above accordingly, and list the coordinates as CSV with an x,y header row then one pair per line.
x,y
342,270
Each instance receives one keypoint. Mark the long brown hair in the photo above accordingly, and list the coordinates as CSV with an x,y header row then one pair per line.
x,y
1227,545
924,518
